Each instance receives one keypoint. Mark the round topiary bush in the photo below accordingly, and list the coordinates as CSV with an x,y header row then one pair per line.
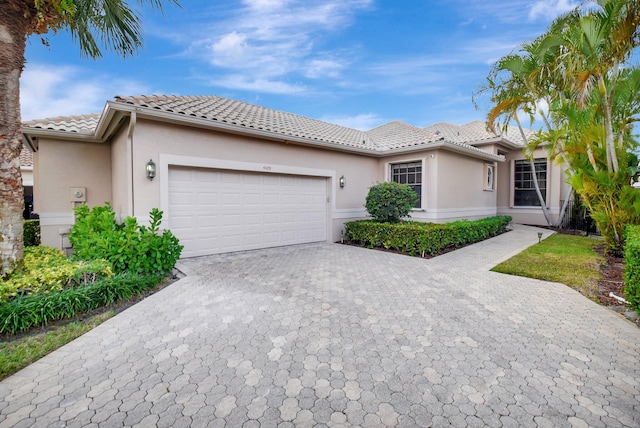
x,y
389,202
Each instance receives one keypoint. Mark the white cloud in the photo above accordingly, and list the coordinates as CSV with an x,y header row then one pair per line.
x,y
50,91
363,122
265,4
318,68
229,48
259,84
550,9
272,40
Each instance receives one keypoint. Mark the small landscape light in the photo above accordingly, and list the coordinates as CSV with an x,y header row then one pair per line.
x,y
539,237
151,169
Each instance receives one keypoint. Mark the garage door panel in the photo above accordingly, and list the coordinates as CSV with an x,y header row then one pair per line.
x,y
207,221
229,177
270,199
216,211
271,218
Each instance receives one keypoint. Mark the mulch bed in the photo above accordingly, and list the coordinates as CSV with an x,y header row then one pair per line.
x,y
612,281
612,271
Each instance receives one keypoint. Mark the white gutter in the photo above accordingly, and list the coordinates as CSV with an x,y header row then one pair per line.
x,y
129,151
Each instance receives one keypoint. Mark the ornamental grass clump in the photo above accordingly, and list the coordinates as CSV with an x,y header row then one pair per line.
x,y
29,311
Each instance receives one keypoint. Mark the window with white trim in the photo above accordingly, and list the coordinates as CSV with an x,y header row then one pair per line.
x,y
524,191
489,177
409,173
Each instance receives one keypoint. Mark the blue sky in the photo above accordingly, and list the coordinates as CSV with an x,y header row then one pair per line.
x,y
358,63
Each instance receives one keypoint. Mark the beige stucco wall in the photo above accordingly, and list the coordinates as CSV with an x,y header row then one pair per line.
x,y
452,185
152,140
121,173
462,192
557,191
67,165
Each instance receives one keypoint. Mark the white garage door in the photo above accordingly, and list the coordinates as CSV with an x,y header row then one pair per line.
x,y
219,211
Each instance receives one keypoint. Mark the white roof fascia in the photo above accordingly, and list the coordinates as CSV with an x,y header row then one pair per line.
x,y
58,135
446,145
496,140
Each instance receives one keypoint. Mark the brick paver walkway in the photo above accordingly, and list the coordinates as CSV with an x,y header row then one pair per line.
x,y
334,335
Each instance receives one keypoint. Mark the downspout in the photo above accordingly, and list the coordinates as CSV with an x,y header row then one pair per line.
x,y
132,125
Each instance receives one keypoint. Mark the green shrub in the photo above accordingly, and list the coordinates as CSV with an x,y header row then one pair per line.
x,y
25,312
632,266
31,231
128,246
47,269
416,238
389,202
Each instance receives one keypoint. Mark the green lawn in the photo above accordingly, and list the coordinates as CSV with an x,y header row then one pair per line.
x,y
19,353
568,259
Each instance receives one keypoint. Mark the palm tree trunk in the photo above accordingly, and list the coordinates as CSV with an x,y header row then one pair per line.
x,y
536,185
13,25
563,210
612,155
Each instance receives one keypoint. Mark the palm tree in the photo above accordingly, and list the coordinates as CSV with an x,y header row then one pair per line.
x,y
112,24
591,50
518,83
581,68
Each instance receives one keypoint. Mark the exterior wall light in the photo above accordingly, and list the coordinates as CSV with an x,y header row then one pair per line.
x,y
151,169
342,182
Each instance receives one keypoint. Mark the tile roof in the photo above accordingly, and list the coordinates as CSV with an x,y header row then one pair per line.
x,y
241,115
512,133
456,133
247,115
26,157
397,134
82,124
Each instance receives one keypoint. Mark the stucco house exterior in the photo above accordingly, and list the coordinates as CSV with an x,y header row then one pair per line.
x,y
234,176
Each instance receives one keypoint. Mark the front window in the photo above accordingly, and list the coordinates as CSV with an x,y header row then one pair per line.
x,y
409,173
524,194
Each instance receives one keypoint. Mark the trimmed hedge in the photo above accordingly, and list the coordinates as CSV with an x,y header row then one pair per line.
x,y
420,239
632,266
22,313
31,231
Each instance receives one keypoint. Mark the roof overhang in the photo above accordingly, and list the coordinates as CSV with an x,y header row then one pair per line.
x,y
114,113
501,141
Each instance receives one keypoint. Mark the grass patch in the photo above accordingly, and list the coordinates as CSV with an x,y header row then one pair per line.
x,y
19,353
568,259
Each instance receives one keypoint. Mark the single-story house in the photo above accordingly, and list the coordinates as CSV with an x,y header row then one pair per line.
x,y
233,176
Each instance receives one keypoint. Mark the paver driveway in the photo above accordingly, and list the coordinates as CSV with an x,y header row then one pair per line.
x,y
337,335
